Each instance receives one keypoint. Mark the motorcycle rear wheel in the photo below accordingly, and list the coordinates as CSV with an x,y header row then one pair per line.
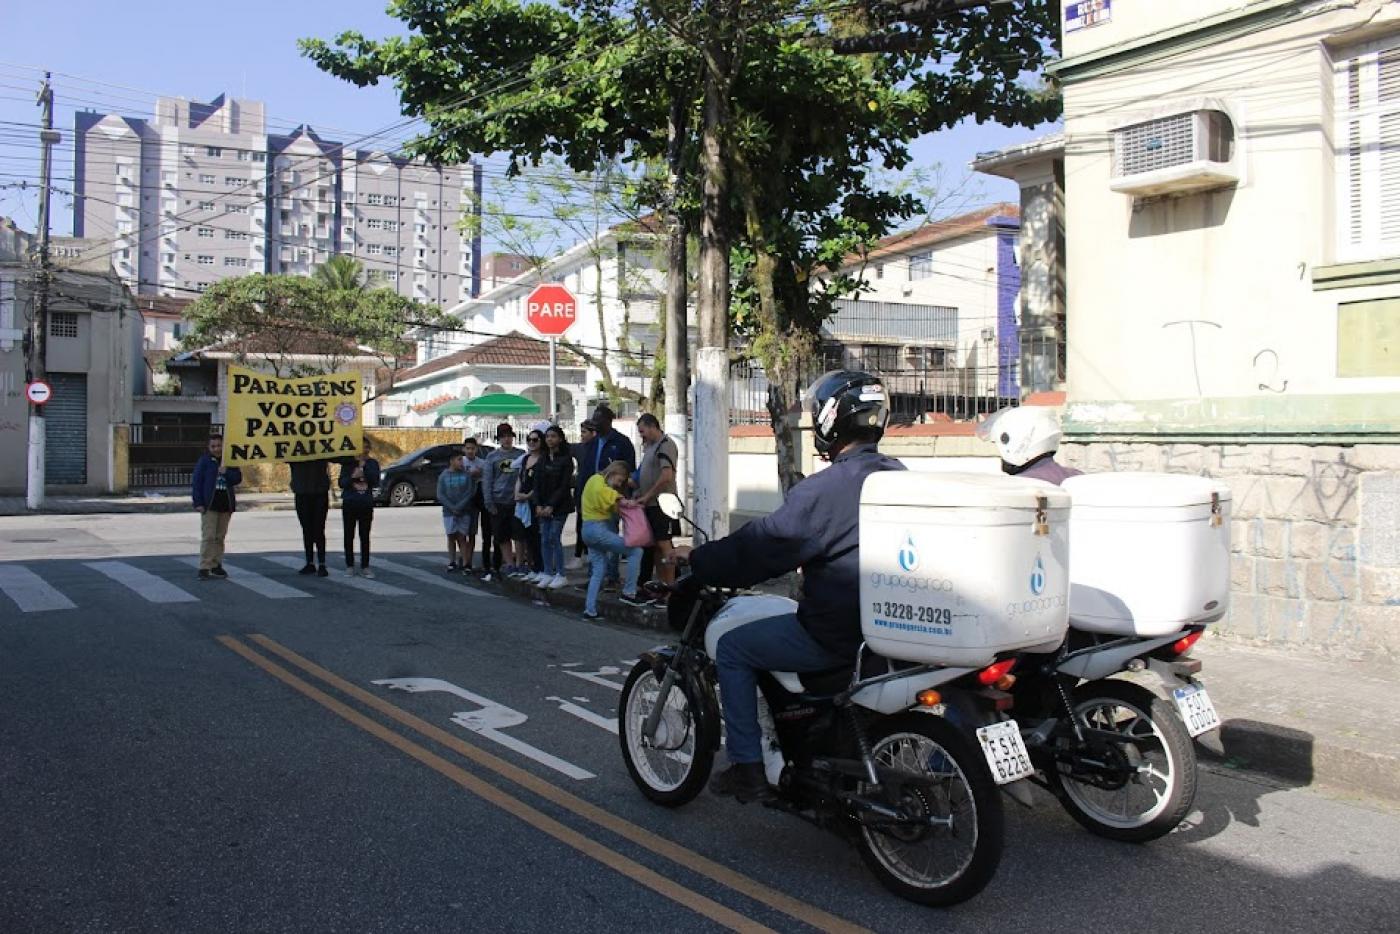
x,y
953,859
1156,799
672,768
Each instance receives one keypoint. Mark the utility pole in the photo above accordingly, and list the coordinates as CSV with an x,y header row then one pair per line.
x,y
677,298
39,322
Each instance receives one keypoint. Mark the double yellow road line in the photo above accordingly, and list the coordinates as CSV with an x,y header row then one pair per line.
x,y
681,856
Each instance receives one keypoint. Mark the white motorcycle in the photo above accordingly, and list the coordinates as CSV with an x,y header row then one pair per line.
x,y
860,750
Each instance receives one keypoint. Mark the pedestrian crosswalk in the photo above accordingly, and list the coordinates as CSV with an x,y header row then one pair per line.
x,y
48,587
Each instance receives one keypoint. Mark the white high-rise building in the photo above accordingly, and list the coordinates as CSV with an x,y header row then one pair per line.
x,y
202,192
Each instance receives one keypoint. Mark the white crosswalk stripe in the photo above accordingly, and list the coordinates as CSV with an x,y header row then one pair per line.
x,y
30,592
428,577
143,583
264,586
359,583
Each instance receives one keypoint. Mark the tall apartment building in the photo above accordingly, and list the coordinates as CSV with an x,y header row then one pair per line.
x,y
202,192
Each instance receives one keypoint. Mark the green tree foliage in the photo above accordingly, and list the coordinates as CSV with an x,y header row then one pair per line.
x,y
297,325
341,273
820,99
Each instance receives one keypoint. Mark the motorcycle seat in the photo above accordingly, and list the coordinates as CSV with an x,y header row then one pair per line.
x,y
830,681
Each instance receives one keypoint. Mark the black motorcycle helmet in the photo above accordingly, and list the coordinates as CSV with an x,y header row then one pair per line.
x,y
844,403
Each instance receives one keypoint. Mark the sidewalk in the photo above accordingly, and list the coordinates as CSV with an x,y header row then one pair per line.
x,y
151,502
1303,719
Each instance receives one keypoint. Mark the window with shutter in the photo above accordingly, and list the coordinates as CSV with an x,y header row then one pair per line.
x,y
1368,142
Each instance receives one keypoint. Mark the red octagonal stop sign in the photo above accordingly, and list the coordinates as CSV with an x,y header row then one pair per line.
x,y
551,310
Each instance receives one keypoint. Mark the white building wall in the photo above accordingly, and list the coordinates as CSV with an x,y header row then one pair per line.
x,y
962,274
1213,290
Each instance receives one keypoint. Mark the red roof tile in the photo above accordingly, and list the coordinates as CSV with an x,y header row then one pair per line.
x,y
513,349
948,229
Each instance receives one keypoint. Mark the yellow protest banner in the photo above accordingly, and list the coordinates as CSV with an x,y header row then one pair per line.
x,y
273,419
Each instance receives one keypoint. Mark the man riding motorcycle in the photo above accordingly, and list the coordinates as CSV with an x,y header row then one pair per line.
x,y
1027,438
817,530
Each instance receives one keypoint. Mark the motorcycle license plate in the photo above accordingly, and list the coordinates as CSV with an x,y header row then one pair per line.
x,y
1197,712
1005,751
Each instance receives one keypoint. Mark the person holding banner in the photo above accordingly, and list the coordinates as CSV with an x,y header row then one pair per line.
x,y
358,479
214,501
311,491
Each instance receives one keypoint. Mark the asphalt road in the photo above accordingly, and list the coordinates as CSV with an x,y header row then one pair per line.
x,y
187,756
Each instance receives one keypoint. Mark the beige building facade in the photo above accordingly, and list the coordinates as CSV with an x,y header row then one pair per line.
x,y
1230,175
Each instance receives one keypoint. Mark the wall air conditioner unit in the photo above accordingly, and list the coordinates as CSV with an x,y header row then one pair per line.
x,y
1188,148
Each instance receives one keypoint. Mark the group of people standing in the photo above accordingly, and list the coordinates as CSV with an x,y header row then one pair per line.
x,y
517,501
213,492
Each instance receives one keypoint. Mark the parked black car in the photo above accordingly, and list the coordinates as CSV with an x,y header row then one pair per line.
x,y
413,478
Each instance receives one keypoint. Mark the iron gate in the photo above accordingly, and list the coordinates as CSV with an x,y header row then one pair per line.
x,y
164,455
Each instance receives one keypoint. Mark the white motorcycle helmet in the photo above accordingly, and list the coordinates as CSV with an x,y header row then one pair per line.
x,y
1022,433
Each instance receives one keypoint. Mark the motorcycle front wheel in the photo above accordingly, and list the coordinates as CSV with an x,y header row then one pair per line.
x,y
950,846
672,767
1150,784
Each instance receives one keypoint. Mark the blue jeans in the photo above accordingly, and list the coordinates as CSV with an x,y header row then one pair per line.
x,y
552,544
775,644
603,543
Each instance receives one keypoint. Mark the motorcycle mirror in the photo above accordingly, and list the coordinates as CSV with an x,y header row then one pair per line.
x,y
671,505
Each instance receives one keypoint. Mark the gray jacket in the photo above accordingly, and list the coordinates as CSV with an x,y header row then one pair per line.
x,y
498,480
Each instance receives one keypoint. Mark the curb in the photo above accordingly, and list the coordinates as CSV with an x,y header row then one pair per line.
x,y
572,599
1299,759
147,509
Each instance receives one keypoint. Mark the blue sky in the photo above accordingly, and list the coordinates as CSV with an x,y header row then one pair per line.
x,y
116,57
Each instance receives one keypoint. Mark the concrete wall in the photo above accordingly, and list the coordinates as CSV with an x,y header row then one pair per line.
x,y
1133,19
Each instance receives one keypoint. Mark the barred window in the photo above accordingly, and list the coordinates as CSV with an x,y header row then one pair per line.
x,y
63,324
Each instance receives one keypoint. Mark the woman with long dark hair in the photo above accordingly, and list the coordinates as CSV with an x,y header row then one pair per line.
x,y
554,500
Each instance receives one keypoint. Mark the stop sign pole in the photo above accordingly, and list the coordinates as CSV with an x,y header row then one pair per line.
x,y
551,310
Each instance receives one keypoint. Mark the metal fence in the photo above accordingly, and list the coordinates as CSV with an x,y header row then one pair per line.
x,y
165,455
924,383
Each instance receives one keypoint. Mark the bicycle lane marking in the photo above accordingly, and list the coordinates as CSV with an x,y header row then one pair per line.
x,y
633,833
633,870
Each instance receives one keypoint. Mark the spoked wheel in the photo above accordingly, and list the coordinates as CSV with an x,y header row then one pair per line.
x,y
950,846
1150,780
403,494
670,768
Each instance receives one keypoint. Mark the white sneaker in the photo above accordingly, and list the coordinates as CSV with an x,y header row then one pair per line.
x,y
351,572
557,582
541,579
366,572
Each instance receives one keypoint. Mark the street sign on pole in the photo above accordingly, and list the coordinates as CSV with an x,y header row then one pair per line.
x,y
551,310
38,392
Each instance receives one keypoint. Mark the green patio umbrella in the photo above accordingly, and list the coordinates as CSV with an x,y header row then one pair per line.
x,y
497,403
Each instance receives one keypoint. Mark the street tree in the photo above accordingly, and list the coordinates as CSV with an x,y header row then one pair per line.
x,y
784,112
299,326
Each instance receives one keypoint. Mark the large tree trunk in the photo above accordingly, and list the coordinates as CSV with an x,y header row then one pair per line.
x,y
711,441
677,325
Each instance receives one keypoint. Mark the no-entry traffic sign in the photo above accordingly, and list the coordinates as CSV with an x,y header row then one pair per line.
x,y
38,392
551,310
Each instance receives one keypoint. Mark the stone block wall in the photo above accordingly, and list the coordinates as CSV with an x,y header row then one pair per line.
x,y
1315,536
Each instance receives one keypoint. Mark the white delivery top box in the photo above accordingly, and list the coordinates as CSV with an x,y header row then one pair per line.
x,y
957,568
1151,552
